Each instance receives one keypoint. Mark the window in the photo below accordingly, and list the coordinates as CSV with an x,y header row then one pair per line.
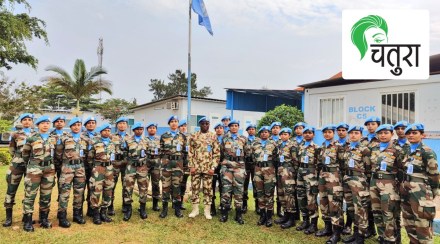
x,y
398,106
331,111
195,120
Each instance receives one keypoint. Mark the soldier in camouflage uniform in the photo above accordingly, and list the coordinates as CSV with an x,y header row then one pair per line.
x,y
250,168
88,135
371,141
287,170
275,128
102,154
420,185
204,156
297,139
153,162
233,171
18,166
172,148
264,153
184,182
358,170
330,186
307,181
58,123
120,163
39,152
225,120
72,173
136,171
217,177
385,162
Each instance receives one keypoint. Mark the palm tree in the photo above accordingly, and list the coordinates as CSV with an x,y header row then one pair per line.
x,y
82,85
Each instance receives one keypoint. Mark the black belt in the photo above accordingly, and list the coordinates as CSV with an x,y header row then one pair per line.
x,y
380,176
173,157
330,169
307,166
104,164
137,163
286,164
265,164
411,178
350,172
150,156
41,163
119,156
235,159
74,161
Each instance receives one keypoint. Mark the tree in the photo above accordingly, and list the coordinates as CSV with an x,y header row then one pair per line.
x,y
114,108
287,115
82,85
55,98
177,86
15,31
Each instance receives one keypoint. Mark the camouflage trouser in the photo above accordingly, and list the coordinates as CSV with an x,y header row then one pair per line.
x,y
13,177
265,181
196,181
88,167
331,197
286,187
418,211
359,190
232,179
348,197
102,181
184,180
71,173
58,166
384,200
307,190
119,167
250,174
217,178
172,172
154,174
139,174
38,178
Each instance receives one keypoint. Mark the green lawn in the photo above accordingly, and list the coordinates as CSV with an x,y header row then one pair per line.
x,y
152,229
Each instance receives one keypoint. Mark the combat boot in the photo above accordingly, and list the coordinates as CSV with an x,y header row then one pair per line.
x,y
269,215
104,216
143,211
27,223
305,224
8,220
262,220
156,204
90,212
360,239
282,220
44,222
128,212
336,236
177,208
257,209
239,216
296,215
245,206
398,230
347,227
352,237
290,222
195,211
164,212
371,230
78,217
313,226
96,217
207,212
111,209
213,209
181,205
224,214
62,219
279,211
327,231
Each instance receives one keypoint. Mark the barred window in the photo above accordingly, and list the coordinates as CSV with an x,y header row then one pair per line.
x,y
398,106
331,111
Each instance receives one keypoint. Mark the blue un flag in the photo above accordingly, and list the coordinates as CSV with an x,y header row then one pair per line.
x,y
199,7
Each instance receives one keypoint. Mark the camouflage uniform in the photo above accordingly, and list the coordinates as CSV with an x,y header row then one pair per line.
x,y
184,179
419,187
358,170
287,170
88,166
384,189
58,134
120,163
250,173
217,178
204,155
18,166
154,164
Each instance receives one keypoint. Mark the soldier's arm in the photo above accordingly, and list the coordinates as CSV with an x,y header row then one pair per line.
x,y
191,151
59,150
215,153
430,158
91,154
367,162
26,151
12,145
162,147
295,161
275,155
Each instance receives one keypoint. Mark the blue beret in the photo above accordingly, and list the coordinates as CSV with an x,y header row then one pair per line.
x,y
286,130
372,119
329,127
342,125
151,124
226,117
74,120
234,122
103,127
264,128
25,115
43,118
203,119
217,125
172,117
88,119
137,125
355,127
415,127
182,122
385,127
304,125
309,128
59,117
402,123
276,123
251,126
121,119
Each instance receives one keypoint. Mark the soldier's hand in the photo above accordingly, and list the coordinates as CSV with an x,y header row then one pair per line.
x,y
192,171
211,172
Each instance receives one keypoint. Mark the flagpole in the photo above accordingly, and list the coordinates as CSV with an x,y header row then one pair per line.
x,y
188,119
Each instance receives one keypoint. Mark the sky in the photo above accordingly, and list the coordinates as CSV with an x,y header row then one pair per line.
x,y
276,44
